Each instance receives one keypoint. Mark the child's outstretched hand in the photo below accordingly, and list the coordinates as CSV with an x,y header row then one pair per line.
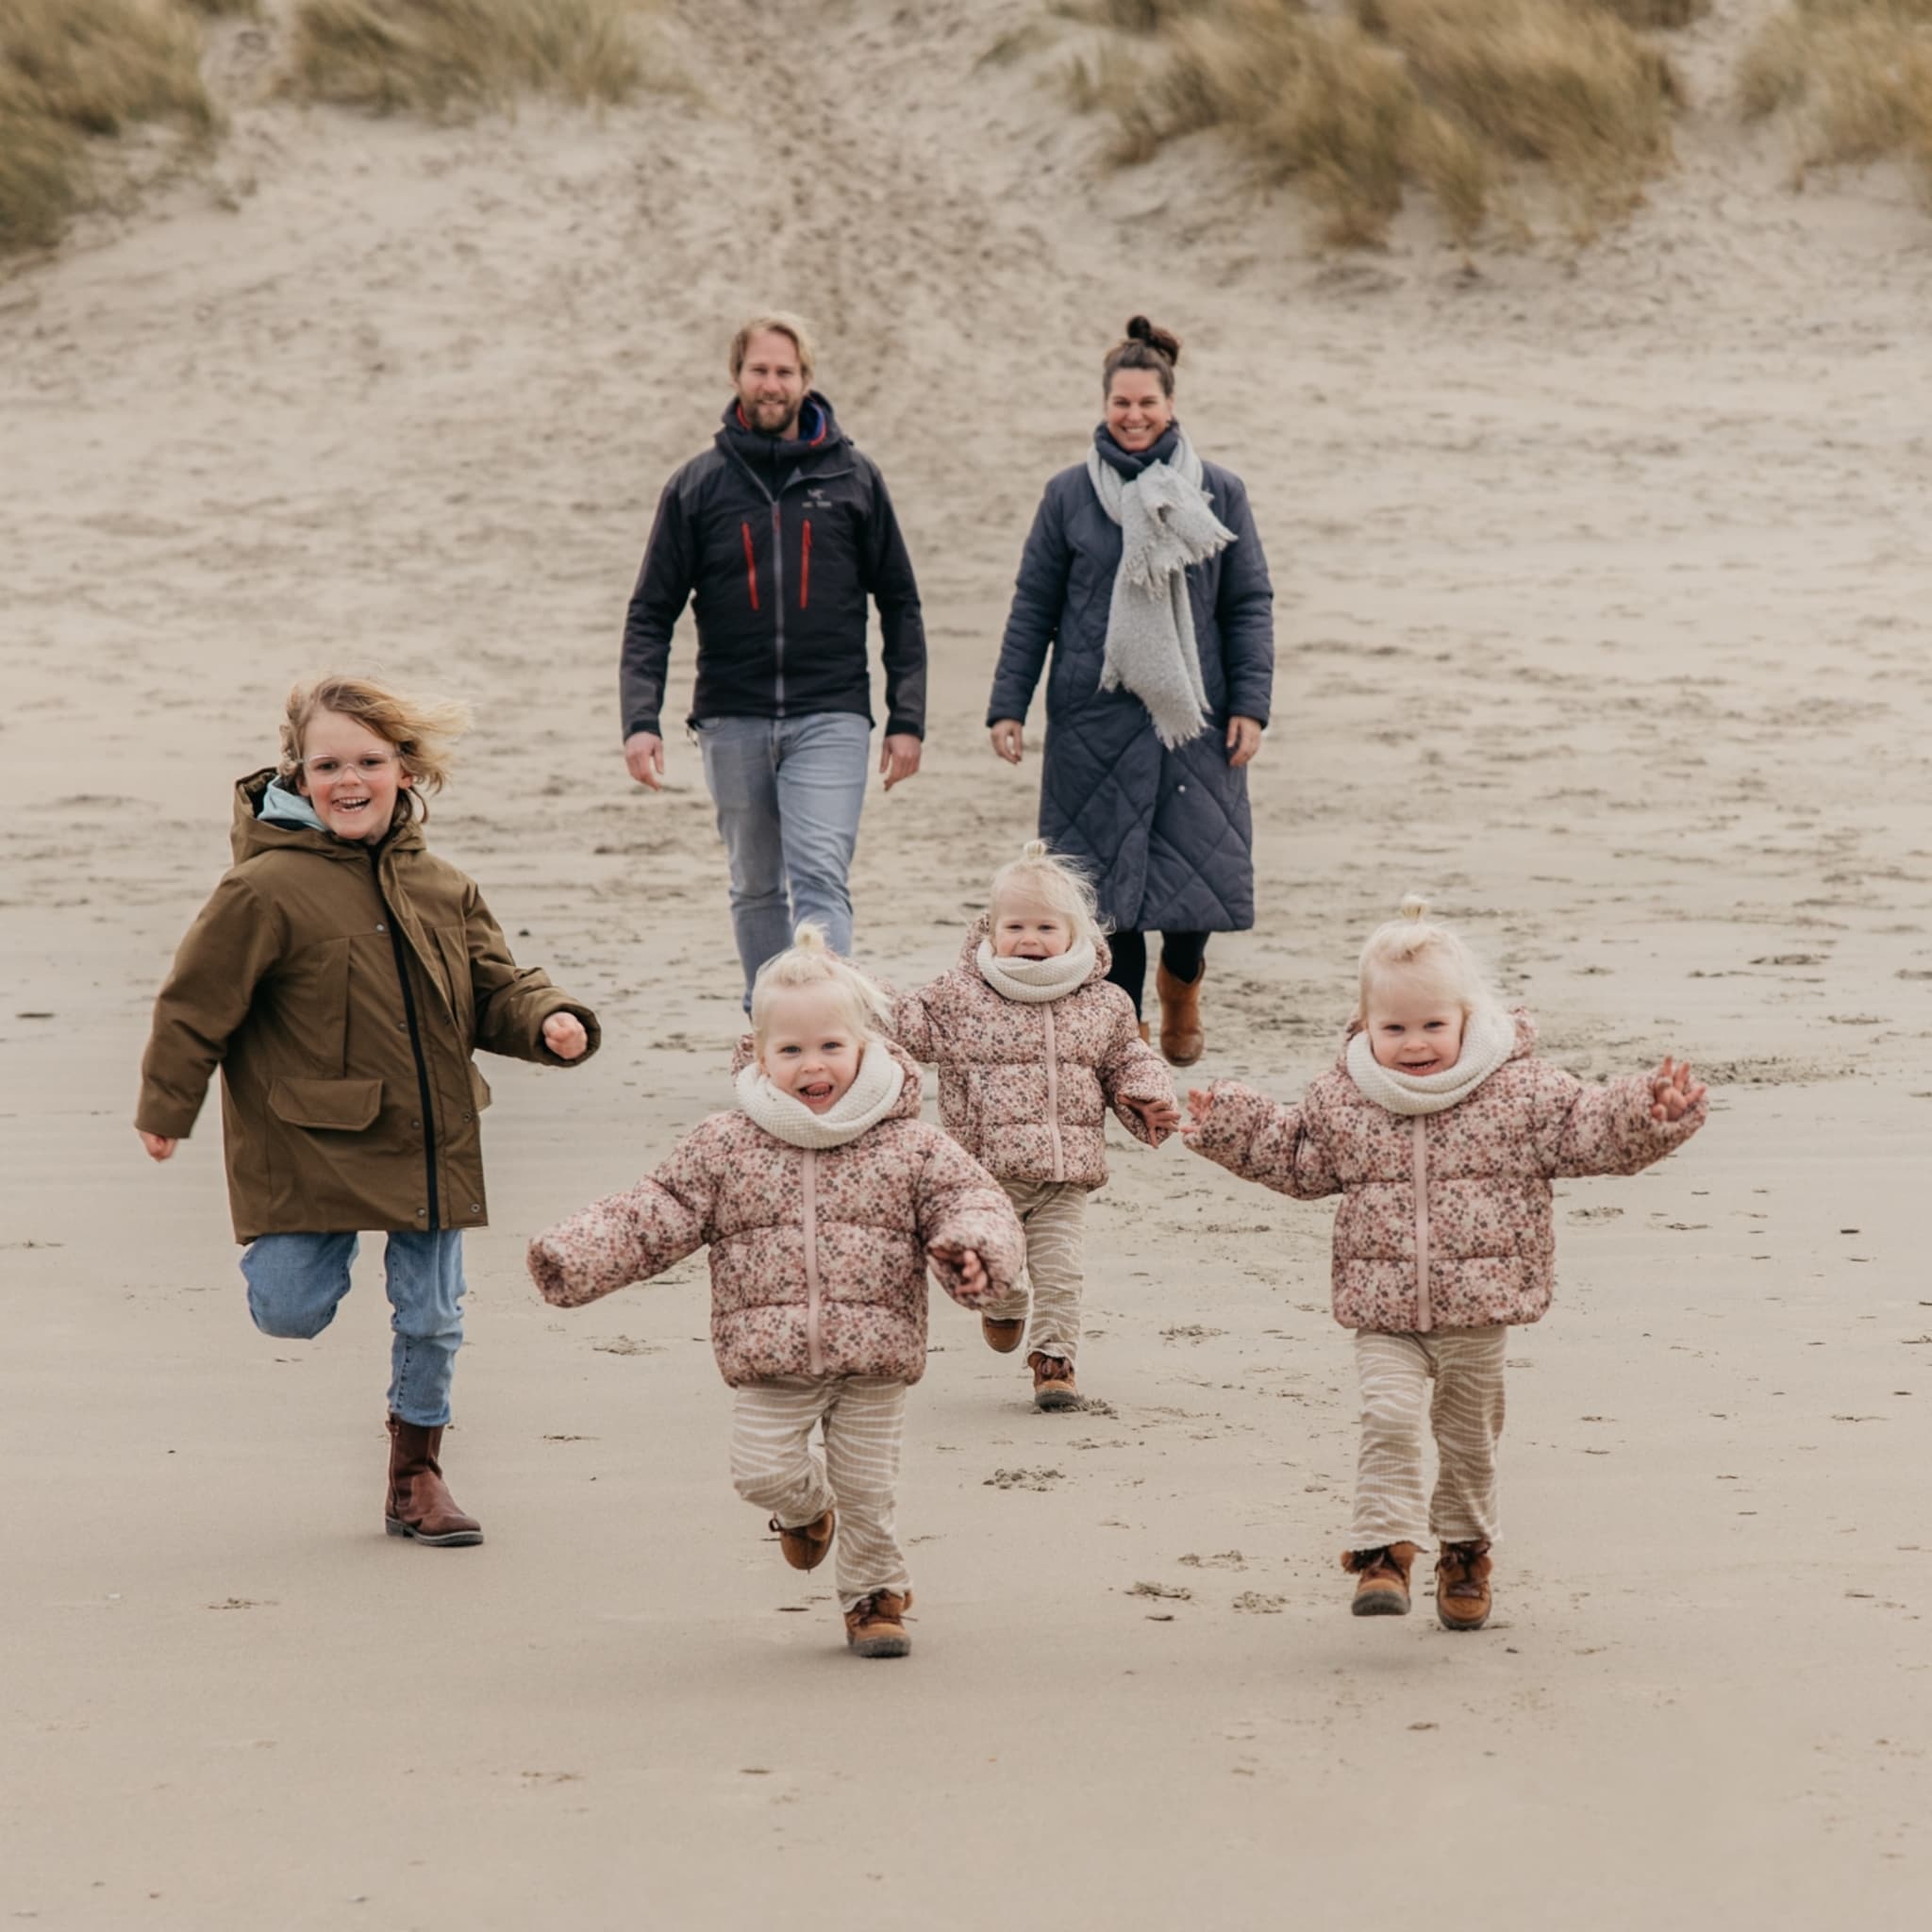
x,y
158,1146
1200,1104
962,1264
1672,1093
563,1034
1160,1117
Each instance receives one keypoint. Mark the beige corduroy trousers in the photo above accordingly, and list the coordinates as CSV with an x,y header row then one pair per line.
x,y
1054,1215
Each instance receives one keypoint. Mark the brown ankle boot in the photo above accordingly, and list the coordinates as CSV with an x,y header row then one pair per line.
x,y
1463,1586
875,1625
1053,1382
1382,1579
1143,1033
419,1504
805,1545
1005,1337
1181,1038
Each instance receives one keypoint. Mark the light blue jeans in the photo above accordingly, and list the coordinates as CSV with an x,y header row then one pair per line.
x,y
789,792
296,1281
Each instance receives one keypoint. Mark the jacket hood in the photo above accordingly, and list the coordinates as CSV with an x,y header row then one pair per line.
x,y
907,1107
982,926
1524,1049
250,834
819,434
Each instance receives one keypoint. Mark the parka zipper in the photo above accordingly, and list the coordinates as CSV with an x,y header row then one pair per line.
x,y
396,940
751,566
1419,1131
815,1337
1052,1097
778,601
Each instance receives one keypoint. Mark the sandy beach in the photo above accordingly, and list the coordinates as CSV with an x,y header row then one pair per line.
x,y
1602,619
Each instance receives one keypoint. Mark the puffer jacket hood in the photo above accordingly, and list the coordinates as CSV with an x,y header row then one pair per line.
x,y
1446,1219
1024,1087
817,1255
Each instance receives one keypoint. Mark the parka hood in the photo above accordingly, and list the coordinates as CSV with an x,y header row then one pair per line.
x,y
251,835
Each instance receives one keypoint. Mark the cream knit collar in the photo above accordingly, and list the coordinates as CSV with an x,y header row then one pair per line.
x,y
872,1094
1489,1040
1036,981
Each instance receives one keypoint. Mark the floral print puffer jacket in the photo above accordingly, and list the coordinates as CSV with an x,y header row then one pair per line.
x,y
1445,1219
818,1256
1024,1087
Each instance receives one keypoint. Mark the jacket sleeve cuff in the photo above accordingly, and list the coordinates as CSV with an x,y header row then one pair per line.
x,y
904,727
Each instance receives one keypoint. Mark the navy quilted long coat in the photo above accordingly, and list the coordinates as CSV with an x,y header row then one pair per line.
x,y
1166,835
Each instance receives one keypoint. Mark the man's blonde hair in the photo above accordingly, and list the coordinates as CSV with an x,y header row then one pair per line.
x,y
809,962
1413,946
784,324
1048,880
424,731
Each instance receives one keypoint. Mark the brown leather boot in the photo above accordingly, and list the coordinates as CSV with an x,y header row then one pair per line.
x,y
1143,1033
1005,1337
1463,1586
1053,1382
1181,1038
875,1626
1382,1579
419,1504
805,1546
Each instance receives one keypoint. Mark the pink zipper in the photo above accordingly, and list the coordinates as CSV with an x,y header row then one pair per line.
x,y
814,1306
1421,1224
1053,1097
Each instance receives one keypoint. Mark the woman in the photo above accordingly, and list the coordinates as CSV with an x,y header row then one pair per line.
x,y
1144,575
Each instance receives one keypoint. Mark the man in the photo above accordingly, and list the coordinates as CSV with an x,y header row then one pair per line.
x,y
779,532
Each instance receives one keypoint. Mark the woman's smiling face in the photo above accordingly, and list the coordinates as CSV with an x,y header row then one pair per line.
x,y
1138,409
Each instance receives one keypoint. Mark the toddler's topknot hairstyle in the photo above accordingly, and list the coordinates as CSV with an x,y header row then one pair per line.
x,y
808,962
1052,881
1414,946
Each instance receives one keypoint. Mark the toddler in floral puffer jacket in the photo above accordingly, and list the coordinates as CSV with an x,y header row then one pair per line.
x,y
1034,1045
823,1198
1442,1131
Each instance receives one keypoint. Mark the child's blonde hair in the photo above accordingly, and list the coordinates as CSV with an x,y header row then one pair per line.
x,y
808,962
1414,945
1052,881
424,731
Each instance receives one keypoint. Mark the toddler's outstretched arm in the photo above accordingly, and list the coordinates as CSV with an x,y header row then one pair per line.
x,y
912,1027
1620,1127
961,1213
1259,1140
628,1237
1137,1084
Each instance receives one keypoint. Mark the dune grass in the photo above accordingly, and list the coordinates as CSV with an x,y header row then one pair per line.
x,y
448,59
74,69
1455,95
1854,75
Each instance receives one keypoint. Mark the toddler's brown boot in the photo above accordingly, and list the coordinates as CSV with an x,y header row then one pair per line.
x,y
420,1505
1005,1337
805,1545
1463,1586
1381,1579
1053,1382
875,1625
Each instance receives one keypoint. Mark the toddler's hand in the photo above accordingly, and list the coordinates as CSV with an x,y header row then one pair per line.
x,y
1672,1093
962,1264
1159,1116
158,1146
564,1035
1200,1104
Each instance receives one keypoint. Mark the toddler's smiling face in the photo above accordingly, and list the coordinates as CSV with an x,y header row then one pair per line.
x,y
1413,1024
809,1047
1024,928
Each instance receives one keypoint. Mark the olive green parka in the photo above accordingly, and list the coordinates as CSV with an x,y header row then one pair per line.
x,y
342,989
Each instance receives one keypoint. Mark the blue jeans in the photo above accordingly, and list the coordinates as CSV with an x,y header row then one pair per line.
x,y
789,792
296,1281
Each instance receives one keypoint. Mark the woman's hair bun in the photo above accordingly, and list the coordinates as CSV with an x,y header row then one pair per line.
x,y
810,938
1141,330
1033,848
1414,906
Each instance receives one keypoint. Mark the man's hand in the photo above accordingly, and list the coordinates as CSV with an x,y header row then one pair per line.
x,y
1007,737
158,1145
1672,1093
643,757
963,1264
1160,1117
564,1035
1243,742
899,757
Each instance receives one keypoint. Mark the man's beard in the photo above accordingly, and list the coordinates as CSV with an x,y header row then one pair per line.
x,y
758,414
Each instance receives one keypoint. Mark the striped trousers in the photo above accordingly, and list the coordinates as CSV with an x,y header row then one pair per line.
x,y
1465,1416
862,1418
1054,1214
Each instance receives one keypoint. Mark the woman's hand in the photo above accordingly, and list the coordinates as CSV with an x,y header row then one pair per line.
x,y
158,1145
1007,740
1672,1093
1200,1104
1243,742
564,1035
963,1264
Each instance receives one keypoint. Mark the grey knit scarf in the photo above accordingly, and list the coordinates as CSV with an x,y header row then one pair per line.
x,y
1166,523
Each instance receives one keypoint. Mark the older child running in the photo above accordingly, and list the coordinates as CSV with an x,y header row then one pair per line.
x,y
1033,1046
822,1198
341,977
1442,1131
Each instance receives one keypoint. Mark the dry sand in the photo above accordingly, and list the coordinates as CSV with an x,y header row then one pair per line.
x,y
1602,615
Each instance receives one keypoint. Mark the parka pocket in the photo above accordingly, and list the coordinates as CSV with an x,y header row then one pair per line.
x,y
342,1106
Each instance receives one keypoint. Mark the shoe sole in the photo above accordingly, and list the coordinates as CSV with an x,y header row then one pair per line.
x,y
1381,1604
882,1646
455,1539
1004,1347
1051,1399
1460,1622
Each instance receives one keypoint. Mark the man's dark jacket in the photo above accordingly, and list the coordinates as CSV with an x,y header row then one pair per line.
x,y
781,542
